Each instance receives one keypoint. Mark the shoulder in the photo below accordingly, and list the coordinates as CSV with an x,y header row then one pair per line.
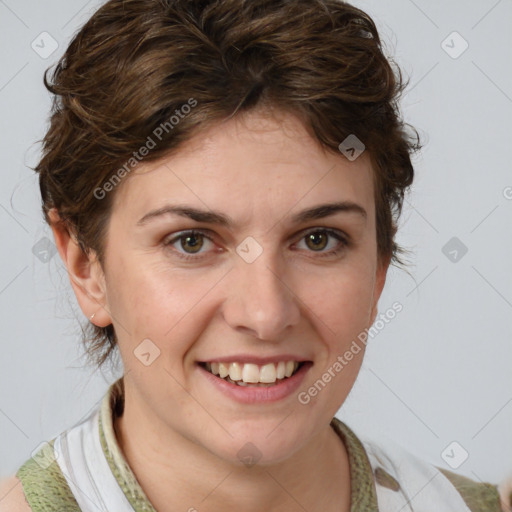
x,y
43,483
477,495
12,497
409,472
505,490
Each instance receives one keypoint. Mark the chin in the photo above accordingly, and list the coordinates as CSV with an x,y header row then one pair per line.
x,y
256,447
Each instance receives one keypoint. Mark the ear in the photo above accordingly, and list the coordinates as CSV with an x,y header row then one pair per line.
x,y
380,281
84,271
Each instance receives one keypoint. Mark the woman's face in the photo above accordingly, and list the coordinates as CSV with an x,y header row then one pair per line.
x,y
269,285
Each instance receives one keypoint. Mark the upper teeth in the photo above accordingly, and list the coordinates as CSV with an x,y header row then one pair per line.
x,y
252,373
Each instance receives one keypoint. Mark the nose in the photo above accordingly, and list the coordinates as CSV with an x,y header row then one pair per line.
x,y
259,300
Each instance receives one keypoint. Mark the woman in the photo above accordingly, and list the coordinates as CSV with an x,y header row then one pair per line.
x,y
223,181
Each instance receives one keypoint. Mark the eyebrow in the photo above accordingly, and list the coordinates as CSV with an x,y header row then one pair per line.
x,y
211,217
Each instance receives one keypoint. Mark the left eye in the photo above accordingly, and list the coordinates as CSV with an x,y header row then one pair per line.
x,y
317,240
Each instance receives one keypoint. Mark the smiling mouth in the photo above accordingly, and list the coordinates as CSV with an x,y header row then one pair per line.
x,y
253,375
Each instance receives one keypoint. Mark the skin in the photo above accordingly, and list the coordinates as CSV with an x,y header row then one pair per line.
x,y
179,434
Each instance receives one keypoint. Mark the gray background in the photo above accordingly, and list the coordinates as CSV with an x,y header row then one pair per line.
x,y
439,372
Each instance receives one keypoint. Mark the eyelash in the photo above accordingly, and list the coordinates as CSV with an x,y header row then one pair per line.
x,y
335,234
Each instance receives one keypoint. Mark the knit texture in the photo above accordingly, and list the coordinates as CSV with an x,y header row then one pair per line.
x,y
111,407
44,485
478,496
363,495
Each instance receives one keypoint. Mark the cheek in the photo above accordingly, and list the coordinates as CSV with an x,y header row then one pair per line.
x,y
341,302
341,309
152,301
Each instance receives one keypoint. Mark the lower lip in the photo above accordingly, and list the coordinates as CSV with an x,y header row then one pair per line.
x,y
250,395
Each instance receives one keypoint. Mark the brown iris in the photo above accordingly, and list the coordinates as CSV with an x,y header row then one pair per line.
x,y
193,240
317,238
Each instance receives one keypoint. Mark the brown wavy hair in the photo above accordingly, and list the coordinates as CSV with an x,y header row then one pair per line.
x,y
135,63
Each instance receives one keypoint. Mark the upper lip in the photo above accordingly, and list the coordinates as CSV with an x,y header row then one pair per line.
x,y
247,358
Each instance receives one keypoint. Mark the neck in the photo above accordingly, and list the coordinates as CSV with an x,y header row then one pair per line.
x,y
178,474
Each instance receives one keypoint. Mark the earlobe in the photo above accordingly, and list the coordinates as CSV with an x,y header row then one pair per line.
x,y
84,271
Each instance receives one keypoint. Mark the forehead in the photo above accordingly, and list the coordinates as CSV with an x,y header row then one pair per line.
x,y
259,163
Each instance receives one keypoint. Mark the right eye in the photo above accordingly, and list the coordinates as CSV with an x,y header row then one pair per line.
x,y
192,239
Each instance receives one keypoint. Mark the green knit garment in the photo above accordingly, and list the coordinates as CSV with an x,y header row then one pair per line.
x,y
46,489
